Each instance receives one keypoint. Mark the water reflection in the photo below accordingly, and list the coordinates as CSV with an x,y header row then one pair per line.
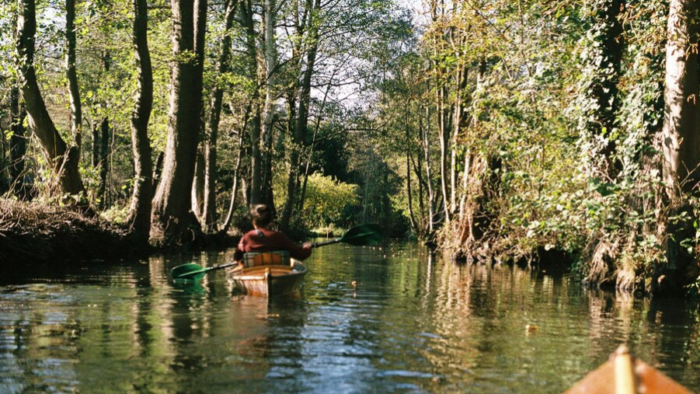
x,y
385,319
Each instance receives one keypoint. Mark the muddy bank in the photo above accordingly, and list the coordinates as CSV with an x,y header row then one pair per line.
x,y
37,234
34,234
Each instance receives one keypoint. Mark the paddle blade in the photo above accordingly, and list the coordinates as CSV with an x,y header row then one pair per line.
x,y
363,235
188,271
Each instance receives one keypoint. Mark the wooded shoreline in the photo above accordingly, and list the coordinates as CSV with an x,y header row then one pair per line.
x,y
494,132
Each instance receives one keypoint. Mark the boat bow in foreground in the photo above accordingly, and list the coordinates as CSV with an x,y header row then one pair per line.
x,y
623,374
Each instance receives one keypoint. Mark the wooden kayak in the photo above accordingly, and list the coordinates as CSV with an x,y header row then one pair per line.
x,y
623,374
269,280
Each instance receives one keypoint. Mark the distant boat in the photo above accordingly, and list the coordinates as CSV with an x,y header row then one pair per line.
x,y
623,374
269,280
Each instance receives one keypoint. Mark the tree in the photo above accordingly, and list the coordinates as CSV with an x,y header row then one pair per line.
x,y
256,165
76,110
681,130
172,201
18,144
302,113
139,217
64,161
680,141
208,217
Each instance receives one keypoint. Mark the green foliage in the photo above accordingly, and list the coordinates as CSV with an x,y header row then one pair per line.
x,y
329,202
548,110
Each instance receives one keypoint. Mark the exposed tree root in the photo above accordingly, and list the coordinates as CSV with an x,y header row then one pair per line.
x,y
600,269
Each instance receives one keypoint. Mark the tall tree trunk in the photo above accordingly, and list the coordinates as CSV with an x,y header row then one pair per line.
x,y
681,130
76,112
270,52
255,195
428,173
442,135
266,173
18,144
210,142
171,204
96,144
409,191
100,144
64,161
480,183
236,175
441,93
139,218
103,162
458,121
302,117
680,139
312,147
418,171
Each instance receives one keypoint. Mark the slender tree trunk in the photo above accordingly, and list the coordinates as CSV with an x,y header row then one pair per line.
x,y
267,193
302,122
172,200
256,165
18,144
100,144
428,174
236,174
76,111
442,135
64,161
139,218
103,161
417,169
96,144
210,143
310,155
409,191
270,52
458,121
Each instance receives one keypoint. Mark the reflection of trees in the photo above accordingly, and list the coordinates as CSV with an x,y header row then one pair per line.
x,y
130,330
115,333
479,314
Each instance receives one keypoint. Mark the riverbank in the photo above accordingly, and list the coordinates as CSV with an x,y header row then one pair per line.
x,y
36,233
33,233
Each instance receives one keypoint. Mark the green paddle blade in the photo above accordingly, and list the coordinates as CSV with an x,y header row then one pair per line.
x,y
191,271
363,235
188,271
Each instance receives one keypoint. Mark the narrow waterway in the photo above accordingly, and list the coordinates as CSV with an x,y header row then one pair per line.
x,y
411,324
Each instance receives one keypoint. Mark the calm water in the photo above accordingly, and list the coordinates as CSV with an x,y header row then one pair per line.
x,y
413,324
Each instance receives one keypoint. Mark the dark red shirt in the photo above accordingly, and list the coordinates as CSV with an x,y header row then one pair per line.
x,y
264,240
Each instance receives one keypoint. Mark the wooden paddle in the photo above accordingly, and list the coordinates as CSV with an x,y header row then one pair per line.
x,y
362,235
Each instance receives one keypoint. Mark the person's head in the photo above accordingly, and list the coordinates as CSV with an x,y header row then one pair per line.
x,y
262,215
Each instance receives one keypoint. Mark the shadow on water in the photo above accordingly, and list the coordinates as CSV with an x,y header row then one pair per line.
x,y
385,319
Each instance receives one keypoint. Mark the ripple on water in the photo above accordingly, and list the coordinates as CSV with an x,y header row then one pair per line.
x,y
411,324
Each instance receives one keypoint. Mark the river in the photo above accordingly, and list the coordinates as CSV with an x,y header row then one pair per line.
x,y
411,324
